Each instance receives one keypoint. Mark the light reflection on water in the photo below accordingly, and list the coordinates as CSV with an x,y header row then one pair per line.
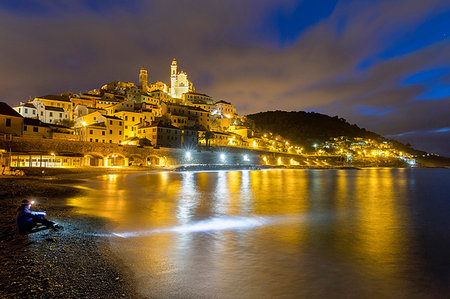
x,y
311,233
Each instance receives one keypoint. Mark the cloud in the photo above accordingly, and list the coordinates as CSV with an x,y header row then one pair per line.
x,y
228,50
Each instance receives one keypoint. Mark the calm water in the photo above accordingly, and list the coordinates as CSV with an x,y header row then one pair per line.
x,y
279,233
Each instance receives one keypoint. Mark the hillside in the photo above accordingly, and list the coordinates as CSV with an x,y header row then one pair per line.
x,y
307,128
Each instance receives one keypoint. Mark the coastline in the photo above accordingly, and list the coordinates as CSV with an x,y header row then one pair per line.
x,y
66,263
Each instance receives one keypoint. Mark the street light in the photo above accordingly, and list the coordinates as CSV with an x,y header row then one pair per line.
x,y
188,156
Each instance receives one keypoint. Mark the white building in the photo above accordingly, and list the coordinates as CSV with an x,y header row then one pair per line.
x,y
27,110
179,83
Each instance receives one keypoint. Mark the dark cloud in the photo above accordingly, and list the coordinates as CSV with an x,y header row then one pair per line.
x,y
338,65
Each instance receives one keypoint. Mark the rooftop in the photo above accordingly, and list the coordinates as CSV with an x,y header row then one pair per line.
x,y
5,109
223,102
54,98
51,108
111,117
34,122
198,94
28,105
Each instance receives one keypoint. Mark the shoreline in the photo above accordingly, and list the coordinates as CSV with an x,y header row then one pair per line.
x,y
65,263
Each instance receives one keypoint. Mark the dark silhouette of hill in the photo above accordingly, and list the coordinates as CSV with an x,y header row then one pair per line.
x,y
306,128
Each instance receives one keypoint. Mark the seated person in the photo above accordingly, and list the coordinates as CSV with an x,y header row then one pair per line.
x,y
26,220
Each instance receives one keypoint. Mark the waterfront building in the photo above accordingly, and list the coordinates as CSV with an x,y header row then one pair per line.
x,y
11,122
161,135
190,137
26,110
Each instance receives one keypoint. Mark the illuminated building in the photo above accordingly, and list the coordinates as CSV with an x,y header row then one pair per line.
x,y
26,110
130,120
224,108
143,79
11,122
161,135
179,82
104,129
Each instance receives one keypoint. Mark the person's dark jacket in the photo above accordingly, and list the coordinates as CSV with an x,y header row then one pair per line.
x,y
25,218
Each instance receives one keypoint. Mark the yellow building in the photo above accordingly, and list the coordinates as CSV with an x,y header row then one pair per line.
x,y
87,119
159,86
106,129
121,106
34,128
55,101
130,119
11,122
161,135
224,108
195,97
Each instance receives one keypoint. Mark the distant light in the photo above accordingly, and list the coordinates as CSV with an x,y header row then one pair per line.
x,y
222,157
188,156
246,158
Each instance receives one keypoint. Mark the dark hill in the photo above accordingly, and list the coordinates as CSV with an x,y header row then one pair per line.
x,y
306,128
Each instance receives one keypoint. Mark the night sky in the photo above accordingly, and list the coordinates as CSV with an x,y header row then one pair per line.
x,y
384,65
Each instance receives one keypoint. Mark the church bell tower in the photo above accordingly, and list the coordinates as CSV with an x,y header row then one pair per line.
x,y
143,79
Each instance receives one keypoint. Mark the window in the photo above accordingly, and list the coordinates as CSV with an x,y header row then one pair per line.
x,y
110,141
24,128
8,122
120,132
103,133
126,117
132,119
91,132
42,113
26,110
96,140
35,129
120,123
110,122
51,114
103,141
90,139
110,131
60,115
126,127
34,111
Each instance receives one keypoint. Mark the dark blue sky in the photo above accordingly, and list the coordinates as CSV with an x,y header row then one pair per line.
x,y
384,65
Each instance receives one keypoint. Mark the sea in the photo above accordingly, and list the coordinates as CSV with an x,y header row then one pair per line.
x,y
280,233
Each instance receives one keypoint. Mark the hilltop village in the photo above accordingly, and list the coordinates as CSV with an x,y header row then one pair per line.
x,y
158,115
